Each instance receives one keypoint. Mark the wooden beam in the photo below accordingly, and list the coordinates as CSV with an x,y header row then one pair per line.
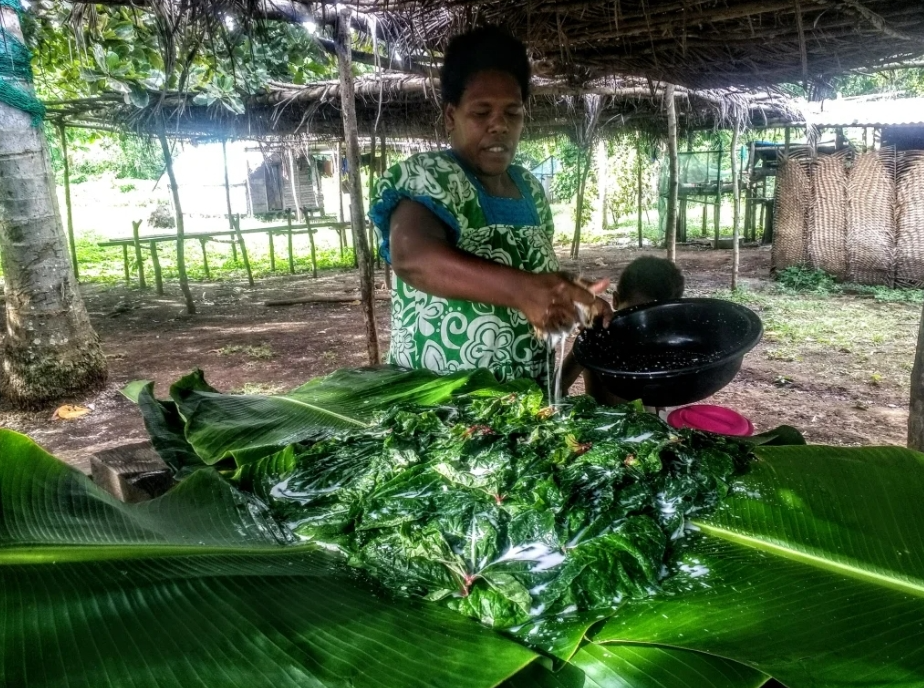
x,y
673,185
360,242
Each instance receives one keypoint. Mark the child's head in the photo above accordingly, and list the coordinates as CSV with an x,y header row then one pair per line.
x,y
645,279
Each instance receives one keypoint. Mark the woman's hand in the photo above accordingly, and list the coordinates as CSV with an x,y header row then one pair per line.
x,y
550,300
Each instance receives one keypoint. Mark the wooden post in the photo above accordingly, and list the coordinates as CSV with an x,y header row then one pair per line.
x,y
717,211
158,276
205,257
638,156
272,251
788,137
136,225
579,211
67,200
289,241
372,171
236,220
338,158
128,276
233,247
916,415
703,230
673,179
736,199
293,178
180,229
364,258
249,191
314,257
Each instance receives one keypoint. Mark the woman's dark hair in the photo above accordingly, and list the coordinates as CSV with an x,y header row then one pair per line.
x,y
480,50
651,279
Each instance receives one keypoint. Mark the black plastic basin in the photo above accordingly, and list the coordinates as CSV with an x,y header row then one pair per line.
x,y
670,353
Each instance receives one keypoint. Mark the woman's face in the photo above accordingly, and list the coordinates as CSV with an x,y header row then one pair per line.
x,y
485,126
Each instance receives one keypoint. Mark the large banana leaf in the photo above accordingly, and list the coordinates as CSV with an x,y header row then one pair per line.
x,y
813,572
249,426
194,589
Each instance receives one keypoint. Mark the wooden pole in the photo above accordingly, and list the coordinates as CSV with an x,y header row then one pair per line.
x,y
136,225
289,238
736,200
372,174
673,179
339,178
128,275
205,257
717,217
235,225
314,256
916,415
363,256
180,229
788,138
158,276
638,156
67,200
584,158
293,179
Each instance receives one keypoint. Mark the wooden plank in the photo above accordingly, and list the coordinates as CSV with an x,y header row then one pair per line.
x,y
131,473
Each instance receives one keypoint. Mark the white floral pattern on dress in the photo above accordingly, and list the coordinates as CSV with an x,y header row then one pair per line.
x,y
446,335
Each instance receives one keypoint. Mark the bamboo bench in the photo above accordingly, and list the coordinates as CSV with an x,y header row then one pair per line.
x,y
232,236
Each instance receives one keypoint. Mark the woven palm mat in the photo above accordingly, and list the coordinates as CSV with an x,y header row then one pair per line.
x,y
871,228
827,218
909,251
790,213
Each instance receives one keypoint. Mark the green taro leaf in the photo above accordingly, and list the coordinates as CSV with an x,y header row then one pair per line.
x,y
812,572
249,426
194,589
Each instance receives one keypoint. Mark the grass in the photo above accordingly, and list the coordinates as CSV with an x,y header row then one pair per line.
x,y
838,337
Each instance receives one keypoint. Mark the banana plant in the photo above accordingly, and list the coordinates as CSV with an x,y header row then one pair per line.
x,y
810,574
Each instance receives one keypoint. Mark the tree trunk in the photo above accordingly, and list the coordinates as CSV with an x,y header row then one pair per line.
x,y
293,182
599,215
736,201
916,410
673,179
180,229
50,350
360,242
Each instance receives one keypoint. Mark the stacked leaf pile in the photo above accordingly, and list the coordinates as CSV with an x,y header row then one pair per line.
x,y
499,507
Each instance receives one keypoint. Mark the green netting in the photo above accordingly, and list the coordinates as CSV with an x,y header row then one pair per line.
x,y
16,72
699,173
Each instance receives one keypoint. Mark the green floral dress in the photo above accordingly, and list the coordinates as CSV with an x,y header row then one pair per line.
x,y
446,335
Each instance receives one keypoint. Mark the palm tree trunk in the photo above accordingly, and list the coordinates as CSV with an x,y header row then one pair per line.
x,y
50,350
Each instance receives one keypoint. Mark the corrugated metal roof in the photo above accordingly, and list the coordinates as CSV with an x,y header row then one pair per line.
x,y
872,113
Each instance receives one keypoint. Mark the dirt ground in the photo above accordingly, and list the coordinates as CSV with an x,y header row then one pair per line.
x,y
244,346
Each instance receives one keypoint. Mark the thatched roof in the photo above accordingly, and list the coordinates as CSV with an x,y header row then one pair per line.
x,y
405,106
695,43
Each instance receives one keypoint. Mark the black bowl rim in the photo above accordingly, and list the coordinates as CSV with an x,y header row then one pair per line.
x,y
757,328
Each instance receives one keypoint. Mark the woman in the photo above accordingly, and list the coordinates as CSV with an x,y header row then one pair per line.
x,y
469,235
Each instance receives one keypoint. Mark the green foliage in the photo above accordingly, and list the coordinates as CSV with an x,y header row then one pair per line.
x,y
804,280
906,82
500,508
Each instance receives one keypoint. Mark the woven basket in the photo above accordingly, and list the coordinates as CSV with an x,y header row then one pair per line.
x,y
871,224
790,213
827,218
909,249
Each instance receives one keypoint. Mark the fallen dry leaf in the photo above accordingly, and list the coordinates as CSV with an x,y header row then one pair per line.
x,y
70,412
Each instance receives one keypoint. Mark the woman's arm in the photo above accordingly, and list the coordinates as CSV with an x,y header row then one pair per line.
x,y
422,256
